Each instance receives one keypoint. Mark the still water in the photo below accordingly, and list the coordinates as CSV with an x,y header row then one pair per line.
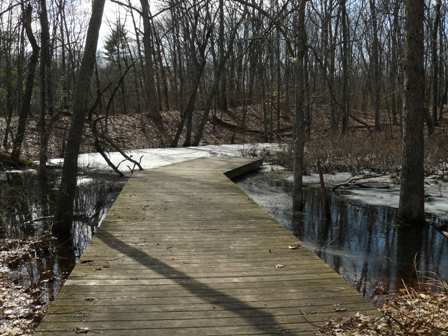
x,y
361,242
26,210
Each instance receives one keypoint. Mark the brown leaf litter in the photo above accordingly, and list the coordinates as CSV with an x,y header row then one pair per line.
x,y
20,309
411,312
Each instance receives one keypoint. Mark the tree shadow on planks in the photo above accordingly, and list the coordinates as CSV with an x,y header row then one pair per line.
x,y
261,321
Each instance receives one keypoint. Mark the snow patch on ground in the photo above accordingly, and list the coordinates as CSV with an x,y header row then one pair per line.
x,y
383,190
331,179
82,180
377,190
436,193
159,157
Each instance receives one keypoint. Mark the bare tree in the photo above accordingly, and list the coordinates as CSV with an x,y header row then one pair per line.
x,y
299,142
26,101
64,208
412,194
435,61
46,87
149,78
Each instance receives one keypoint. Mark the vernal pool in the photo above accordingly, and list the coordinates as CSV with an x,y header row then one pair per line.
x,y
29,256
361,242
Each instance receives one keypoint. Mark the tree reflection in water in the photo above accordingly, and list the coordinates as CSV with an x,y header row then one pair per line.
x,y
26,212
362,243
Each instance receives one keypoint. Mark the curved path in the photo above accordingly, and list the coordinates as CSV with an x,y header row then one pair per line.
x,y
184,251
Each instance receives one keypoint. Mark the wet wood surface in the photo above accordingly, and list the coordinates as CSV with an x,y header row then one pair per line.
x,y
184,251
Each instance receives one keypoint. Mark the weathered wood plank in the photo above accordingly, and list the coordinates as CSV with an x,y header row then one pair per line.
x,y
184,251
267,304
191,315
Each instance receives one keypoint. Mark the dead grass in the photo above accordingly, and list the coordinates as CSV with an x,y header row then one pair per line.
x,y
412,312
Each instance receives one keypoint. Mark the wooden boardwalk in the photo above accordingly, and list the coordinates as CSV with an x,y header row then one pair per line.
x,y
184,251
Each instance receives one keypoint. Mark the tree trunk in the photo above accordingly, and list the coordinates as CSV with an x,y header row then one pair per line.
x,y
150,85
8,79
299,141
376,86
46,91
412,194
26,102
64,206
395,65
222,96
345,65
435,62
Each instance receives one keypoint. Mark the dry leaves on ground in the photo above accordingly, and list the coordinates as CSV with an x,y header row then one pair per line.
x,y
410,313
19,309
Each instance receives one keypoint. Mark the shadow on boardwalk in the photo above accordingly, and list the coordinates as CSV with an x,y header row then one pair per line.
x,y
262,321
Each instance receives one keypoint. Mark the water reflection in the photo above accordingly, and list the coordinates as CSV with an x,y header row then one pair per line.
x,y
360,242
26,209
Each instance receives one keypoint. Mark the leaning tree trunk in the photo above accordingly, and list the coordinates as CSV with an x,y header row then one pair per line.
x,y
299,142
64,207
411,210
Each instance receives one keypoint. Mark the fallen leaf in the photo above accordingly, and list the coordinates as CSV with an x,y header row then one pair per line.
x,y
82,330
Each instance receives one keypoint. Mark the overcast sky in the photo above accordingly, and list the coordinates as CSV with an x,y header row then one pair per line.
x,y
112,11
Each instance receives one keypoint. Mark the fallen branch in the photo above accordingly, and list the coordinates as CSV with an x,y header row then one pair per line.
x,y
360,121
352,181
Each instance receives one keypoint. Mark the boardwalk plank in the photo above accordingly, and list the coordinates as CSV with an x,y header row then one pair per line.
x,y
184,251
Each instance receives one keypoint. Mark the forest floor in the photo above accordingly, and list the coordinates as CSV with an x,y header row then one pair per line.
x,y
135,131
